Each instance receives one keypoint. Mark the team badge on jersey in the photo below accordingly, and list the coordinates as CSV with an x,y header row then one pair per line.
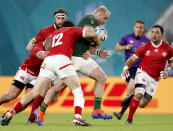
x,y
92,22
164,54
131,42
147,53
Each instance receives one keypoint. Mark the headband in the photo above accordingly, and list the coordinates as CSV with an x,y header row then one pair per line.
x,y
60,14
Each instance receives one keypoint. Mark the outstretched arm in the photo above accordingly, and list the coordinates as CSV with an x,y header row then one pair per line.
x,y
119,47
128,64
31,44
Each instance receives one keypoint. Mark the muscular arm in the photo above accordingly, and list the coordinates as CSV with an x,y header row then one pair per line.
x,y
131,60
90,34
119,47
128,64
42,54
31,44
47,43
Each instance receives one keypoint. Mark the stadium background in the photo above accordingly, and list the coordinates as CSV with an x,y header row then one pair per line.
x,y
22,19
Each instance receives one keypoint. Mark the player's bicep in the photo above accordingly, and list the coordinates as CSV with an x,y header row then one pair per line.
x,y
42,54
89,33
47,43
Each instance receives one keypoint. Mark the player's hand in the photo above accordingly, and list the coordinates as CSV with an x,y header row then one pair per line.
x,y
86,55
103,54
104,36
30,46
125,74
164,74
128,47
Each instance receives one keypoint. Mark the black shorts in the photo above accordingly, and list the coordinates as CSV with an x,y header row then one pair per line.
x,y
132,72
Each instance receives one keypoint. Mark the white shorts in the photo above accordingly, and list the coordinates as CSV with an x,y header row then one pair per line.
x,y
84,66
57,65
25,77
143,78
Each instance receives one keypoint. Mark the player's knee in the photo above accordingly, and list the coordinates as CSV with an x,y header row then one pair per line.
x,y
139,90
102,77
142,105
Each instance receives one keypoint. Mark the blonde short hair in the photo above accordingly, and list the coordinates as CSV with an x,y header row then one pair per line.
x,y
102,9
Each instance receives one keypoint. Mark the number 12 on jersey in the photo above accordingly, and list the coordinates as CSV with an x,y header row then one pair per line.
x,y
57,40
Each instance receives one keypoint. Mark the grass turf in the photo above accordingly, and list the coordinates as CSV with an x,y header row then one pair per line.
x,y
63,122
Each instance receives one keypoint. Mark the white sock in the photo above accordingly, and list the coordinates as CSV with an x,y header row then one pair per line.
x,y
78,97
77,116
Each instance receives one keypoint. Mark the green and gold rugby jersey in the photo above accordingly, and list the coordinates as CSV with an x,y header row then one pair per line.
x,y
82,44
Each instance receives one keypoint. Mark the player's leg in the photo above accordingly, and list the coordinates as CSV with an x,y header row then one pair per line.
x,y
16,88
130,93
12,94
145,100
41,83
100,79
96,73
35,104
74,84
126,102
50,96
140,88
150,91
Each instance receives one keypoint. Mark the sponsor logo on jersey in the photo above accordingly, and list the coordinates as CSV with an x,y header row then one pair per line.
x,y
156,50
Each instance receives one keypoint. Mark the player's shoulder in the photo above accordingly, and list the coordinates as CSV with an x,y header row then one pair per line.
x,y
146,45
146,38
88,17
167,45
47,28
128,35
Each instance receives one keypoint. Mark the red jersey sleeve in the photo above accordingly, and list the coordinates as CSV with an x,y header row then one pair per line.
x,y
36,49
170,57
39,37
141,51
79,32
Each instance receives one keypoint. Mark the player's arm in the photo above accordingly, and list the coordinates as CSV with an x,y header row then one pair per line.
x,y
42,54
164,74
128,64
90,34
31,44
47,44
119,47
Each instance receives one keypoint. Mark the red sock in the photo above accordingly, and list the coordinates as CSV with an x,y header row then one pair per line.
x,y
133,106
4,114
18,107
78,110
36,103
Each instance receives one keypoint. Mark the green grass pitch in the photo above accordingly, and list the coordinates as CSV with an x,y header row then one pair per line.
x,y
63,122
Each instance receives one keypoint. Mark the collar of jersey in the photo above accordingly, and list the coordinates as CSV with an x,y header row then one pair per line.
x,y
54,26
156,46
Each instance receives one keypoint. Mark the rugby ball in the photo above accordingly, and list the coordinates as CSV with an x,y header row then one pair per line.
x,y
100,30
